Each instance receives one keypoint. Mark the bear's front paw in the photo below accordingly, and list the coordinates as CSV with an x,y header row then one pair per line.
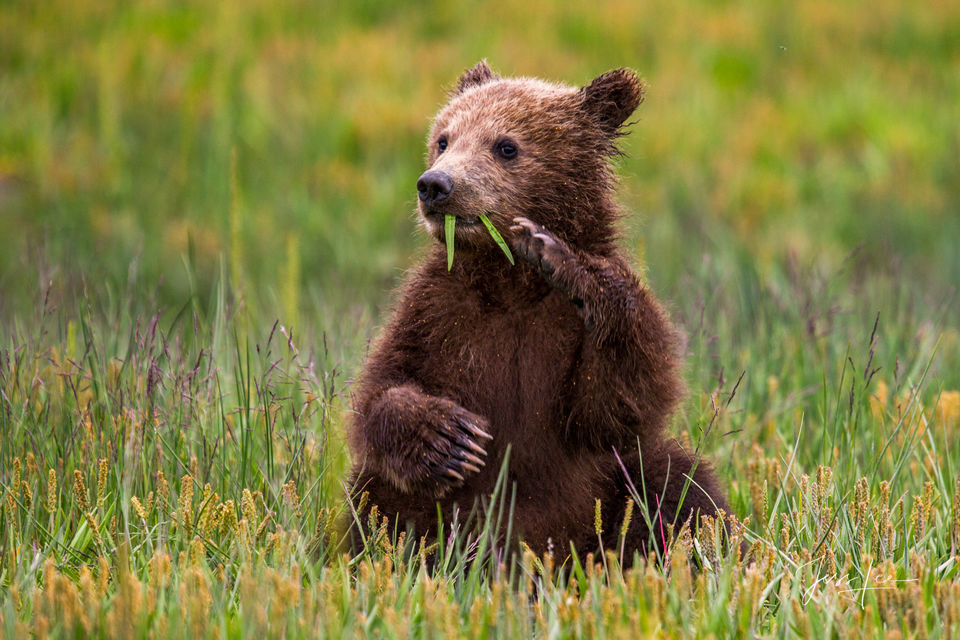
x,y
450,450
543,250
538,246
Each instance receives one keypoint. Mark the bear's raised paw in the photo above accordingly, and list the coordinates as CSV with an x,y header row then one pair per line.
x,y
545,251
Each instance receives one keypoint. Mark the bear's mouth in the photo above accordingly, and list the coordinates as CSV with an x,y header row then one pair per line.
x,y
437,217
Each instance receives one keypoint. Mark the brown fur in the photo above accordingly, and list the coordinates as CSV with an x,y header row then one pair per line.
x,y
565,356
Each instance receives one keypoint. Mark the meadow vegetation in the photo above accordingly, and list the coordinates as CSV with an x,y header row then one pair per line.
x,y
203,207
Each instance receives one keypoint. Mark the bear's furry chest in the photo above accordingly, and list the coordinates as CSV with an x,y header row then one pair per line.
x,y
509,363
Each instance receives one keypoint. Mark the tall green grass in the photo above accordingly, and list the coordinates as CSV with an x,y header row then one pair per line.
x,y
180,477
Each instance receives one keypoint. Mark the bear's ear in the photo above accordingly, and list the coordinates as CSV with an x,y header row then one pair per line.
x,y
475,76
612,97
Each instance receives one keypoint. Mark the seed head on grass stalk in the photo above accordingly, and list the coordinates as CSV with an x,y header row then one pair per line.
x,y
624,526
249,507
9,507
51,491
185,505
291,498
228,519
138,508
163,491
80,490
102,482
16,477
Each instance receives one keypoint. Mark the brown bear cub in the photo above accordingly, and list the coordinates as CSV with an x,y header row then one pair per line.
x,y
565,357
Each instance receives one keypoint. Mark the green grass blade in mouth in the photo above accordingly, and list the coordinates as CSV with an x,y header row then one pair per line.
x,y
450,225
497,237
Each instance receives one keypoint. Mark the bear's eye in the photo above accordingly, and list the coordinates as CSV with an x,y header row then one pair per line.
x,y
442,144
506,149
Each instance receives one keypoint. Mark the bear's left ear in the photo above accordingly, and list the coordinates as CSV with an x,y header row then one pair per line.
x,y
475,76
612,97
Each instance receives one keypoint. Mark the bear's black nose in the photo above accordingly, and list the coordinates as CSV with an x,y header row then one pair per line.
x,y
434,186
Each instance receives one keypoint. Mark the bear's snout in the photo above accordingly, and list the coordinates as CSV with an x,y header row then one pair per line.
x,y
434,186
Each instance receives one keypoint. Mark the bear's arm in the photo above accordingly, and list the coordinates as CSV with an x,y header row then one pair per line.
x,y
626,383
419,442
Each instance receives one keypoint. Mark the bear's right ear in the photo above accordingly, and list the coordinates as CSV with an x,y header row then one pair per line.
x,y
475,76
612,97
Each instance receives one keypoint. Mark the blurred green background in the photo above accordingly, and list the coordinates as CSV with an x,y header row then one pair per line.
x,y
151,150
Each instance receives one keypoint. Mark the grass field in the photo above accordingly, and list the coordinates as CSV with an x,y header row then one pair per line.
x,y
204,207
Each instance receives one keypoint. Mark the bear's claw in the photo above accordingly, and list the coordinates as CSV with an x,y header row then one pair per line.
x,y
452,450
541,249
538,246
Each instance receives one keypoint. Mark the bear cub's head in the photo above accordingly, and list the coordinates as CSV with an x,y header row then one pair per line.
x,y
509,147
